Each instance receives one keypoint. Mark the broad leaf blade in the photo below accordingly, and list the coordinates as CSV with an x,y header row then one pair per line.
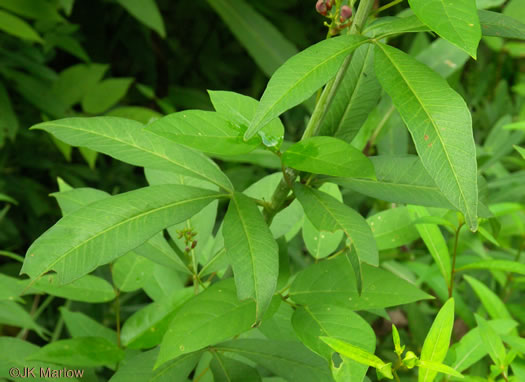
x,y
444,141
333,282
500,25
104,230
253,252
210,317
328,156
205,131
437,341
147,12
457,21
127,141
300,77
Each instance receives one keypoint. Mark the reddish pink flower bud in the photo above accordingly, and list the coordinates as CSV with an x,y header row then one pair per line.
x,y
321,8
329,4
346,13
194,244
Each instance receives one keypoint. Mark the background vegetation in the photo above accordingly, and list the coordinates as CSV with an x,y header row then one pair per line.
x,y
142,60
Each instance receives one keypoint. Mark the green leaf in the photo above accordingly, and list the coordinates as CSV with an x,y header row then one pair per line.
x,y
321,244
328,156
520,150
300,77
392,228
252,251
333,282
240,110
439,367
357,95
18,27
395,25
492,341
444,142
105,94
437,341
127,141
358,354
329,214
131,271
8,119
496,265
146,12
73,199
497,24
13,314
455,21
101,232
38,10
80,351
434,241
491,302
88,288
289,359
263,41
400,179
226,369
136,113
206,131
145,328
80,325
10,288
209,317
451,58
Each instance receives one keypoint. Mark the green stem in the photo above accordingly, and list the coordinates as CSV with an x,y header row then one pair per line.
x,y
386,6
60,324
453,269
280,194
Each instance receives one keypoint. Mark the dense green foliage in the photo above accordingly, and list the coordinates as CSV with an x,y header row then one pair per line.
x,y
243,190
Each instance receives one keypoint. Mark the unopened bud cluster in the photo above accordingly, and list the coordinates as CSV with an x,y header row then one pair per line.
x,y
340,16
189,238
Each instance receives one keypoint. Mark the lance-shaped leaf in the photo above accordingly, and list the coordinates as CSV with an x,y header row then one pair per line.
x,y
300,77
490,300
444,140
500,25
328,156
263,41
329,214
290,360
434,240
492,341
333,282
358,94
359,355
252,250
240,109
126,140
210,317
457,21
205,131
437,341
99,233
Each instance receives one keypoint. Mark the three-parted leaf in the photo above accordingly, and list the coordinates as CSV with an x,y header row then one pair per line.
x,y
206,131
263,41
252,251
437,341
328,156
439,122
96,234
126,140
300,77
356,97
457,21
210,317
329,214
